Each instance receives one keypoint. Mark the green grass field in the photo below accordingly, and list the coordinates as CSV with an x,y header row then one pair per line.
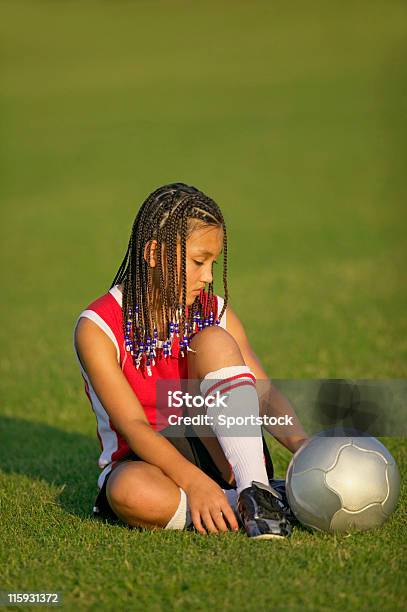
x,y
293,118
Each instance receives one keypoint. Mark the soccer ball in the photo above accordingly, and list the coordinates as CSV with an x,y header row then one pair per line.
x,y
339,484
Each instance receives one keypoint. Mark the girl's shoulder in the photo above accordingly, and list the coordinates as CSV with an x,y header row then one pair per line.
x,y
106,312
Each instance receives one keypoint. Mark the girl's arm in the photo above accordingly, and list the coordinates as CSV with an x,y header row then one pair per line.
x,y
98,357
272,402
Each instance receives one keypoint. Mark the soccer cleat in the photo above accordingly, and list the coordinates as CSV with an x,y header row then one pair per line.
x,y
262,513
279,486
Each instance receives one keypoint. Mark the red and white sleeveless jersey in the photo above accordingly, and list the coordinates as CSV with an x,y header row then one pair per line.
x,y
106,312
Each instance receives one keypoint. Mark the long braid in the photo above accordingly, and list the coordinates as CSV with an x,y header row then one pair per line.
x,y
165,217
183,322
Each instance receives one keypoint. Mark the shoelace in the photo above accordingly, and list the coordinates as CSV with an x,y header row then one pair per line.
x,y
268,504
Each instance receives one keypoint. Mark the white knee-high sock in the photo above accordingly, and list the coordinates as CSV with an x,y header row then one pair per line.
x,y
244,453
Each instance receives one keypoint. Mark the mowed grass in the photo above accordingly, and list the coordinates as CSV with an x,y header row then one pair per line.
x,y
293,119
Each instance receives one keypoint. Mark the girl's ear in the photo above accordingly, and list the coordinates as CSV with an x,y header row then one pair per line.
x,y
150,253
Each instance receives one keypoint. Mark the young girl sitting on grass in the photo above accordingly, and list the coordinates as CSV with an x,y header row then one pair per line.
x,y
160,321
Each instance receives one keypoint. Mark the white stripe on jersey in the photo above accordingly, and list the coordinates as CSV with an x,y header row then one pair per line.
x,y
221,301
117,294
108,437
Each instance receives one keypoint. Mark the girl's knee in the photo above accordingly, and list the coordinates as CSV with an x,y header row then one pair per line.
x,y
140,494
213,348
126,475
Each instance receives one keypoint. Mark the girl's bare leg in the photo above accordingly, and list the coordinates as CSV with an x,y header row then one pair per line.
x,y
141,494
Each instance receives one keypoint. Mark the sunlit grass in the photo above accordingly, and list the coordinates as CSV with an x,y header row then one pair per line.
x,y
293,119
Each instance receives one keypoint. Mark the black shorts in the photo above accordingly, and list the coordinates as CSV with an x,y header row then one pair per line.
x,y
193,449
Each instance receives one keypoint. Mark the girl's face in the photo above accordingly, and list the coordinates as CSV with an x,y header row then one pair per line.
x,y
203,247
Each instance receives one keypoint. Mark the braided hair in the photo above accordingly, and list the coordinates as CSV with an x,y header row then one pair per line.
x,y
169,215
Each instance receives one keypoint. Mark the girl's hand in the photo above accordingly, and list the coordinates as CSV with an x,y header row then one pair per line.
x,y
209,506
